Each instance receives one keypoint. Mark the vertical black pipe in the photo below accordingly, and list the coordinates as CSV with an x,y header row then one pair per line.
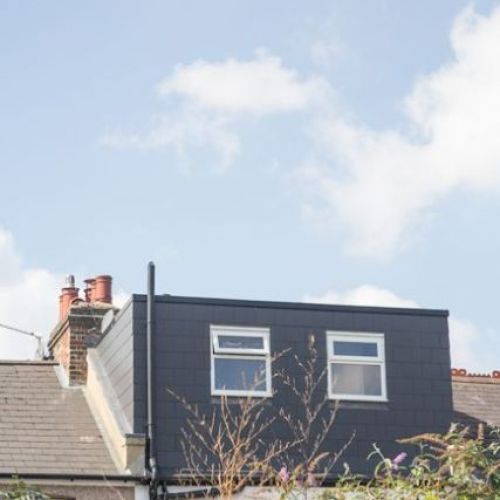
x,y
150,435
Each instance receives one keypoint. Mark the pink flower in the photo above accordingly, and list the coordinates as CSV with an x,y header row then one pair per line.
x,y
283,474
398,459
311,479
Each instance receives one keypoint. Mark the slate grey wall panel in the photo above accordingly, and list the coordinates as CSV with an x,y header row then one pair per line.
x,y
419,397
139,380
116,352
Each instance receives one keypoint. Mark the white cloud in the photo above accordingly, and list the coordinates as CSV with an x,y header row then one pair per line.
x,y
185,131
259,86
210,98
28,300
381,184
364,295
471,348
120,298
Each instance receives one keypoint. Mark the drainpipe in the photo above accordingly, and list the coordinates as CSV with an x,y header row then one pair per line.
x,y
150,451
151,465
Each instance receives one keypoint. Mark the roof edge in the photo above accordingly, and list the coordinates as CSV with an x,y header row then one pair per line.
x,y
475,380
178,299
73,477
462,375
28,362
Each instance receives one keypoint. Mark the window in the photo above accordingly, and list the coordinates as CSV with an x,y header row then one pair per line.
x,y
356,366
241,361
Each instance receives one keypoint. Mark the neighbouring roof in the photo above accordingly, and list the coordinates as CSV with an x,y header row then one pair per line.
x,y
476,397
46,428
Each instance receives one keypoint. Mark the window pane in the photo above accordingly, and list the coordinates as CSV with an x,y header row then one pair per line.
x,y
237,342
363,380
240,374
345,348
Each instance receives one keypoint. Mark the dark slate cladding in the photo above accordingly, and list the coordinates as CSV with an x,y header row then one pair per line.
x,y
121,352
417,364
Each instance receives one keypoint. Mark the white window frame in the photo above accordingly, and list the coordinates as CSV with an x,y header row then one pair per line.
x,y
217,352
379,360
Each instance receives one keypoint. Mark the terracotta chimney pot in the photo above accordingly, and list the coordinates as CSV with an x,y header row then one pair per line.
x,y
102,290
68,294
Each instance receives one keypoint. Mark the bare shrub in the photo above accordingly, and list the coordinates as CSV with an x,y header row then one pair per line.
x,y
309,463
227,448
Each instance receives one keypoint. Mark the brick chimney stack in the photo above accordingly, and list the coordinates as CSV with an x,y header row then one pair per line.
x,y
79,324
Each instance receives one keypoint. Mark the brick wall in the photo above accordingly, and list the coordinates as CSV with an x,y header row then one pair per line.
x,y
69,340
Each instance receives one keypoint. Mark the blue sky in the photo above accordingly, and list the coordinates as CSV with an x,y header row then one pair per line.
x,y
332,151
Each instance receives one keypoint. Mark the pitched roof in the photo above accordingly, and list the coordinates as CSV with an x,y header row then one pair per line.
x,y
476,398
46,428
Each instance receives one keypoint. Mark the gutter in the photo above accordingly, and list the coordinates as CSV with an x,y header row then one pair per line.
x,y
73,477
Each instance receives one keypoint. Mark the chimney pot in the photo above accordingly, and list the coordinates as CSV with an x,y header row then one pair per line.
x,y
102,291
68,294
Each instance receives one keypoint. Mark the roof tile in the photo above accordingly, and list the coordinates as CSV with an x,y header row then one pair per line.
x,y
476,399
45,427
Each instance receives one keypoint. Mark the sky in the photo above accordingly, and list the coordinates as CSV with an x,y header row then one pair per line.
x,y
338,152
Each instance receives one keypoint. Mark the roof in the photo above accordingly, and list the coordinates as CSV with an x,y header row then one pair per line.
x,y
177,299
46,428
476,397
